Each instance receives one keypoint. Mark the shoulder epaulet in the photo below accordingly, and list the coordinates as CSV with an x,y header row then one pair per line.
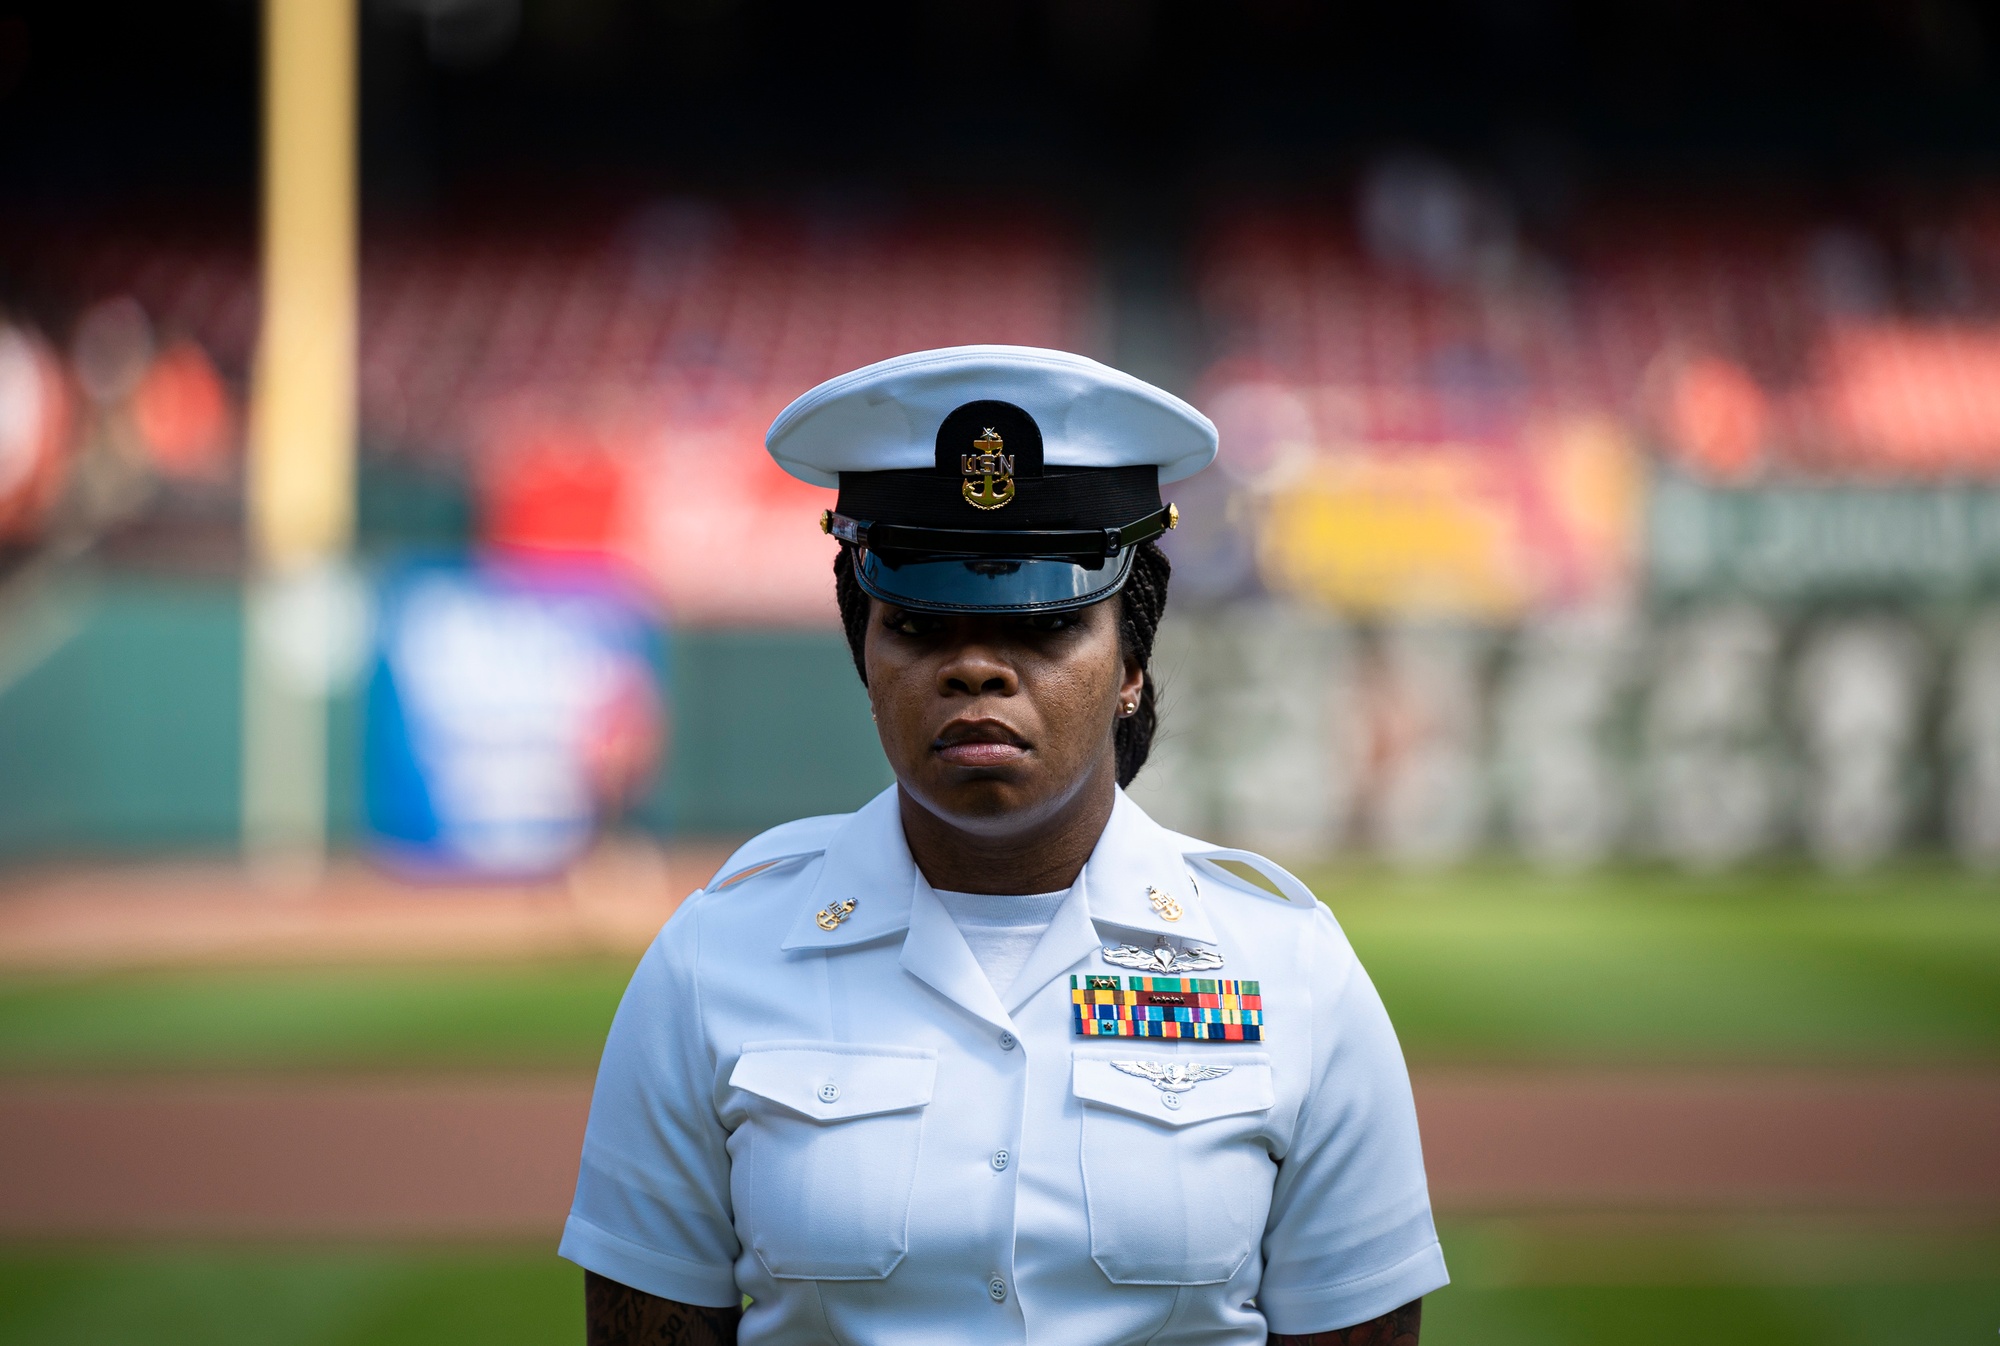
x,y
1203,858
784,845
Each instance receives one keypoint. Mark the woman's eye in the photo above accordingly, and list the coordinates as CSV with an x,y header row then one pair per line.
x,y
910,624
1048,622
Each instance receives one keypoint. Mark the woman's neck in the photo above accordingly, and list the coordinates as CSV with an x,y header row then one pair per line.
x,y
1042,855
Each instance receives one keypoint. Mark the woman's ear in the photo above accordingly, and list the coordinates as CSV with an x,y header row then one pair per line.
x,y
1131,686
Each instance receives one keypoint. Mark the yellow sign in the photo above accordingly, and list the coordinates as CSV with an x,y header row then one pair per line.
x,y
1456,530
1395,534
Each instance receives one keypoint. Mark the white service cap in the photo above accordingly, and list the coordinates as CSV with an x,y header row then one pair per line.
x,y
886,416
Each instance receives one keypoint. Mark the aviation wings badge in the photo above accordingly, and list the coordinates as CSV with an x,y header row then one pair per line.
x,y
1163,957
1175,1077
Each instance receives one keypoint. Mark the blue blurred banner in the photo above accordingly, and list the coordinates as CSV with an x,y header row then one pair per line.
x,y
511,709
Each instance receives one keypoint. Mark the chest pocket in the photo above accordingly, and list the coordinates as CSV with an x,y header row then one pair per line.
x,y
823,1186
1178,1192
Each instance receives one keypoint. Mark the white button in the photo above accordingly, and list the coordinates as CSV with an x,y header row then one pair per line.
x,y
999,1161
998,1289
829,1092
1170,1100
1006,1042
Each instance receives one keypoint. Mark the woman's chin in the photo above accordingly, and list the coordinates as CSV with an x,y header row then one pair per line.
x,y
980,798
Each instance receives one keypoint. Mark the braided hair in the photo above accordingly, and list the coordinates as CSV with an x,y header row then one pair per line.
x,y
1140,605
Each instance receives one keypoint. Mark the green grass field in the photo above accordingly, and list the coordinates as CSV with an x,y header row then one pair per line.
x,y
1494,964
1782,965
1517,1283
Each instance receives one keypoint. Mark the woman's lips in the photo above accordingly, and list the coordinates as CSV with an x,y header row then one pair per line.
x,y
979,743
979,753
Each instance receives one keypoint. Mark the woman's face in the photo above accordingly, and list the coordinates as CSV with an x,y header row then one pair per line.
x,y
995,724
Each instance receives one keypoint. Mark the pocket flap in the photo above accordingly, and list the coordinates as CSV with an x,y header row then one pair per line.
x,y
832,1081
1134,1084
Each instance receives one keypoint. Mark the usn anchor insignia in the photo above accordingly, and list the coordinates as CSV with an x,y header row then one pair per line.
x,y
1171,1079
1162,957
1166,904
832,914
991,469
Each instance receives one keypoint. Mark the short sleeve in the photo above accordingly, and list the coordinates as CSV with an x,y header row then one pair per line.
x,y
652,1204
1350,1235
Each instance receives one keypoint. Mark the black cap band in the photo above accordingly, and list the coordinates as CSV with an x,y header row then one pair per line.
x,y
1085,497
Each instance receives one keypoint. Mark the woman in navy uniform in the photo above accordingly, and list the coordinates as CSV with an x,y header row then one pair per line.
x,y
997,1057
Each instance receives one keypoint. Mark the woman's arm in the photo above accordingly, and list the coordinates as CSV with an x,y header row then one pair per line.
x,y
1398,1327
618,1315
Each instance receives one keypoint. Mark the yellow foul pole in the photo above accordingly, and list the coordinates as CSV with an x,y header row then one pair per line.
x,y
302,599
302,416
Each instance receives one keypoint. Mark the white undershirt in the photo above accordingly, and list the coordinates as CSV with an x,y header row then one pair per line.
x,y
1001,929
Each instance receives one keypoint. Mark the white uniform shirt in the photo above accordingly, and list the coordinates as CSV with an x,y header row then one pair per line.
x,y
854,1129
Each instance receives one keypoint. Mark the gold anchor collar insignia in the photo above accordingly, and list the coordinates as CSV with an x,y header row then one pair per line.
x,y
991,468
831,915
1166,904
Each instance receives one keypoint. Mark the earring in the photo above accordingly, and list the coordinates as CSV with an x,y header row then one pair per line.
x,y
1128,708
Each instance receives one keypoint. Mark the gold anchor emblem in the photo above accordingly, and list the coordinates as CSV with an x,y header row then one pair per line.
x,y
987,464
833,914
1166,904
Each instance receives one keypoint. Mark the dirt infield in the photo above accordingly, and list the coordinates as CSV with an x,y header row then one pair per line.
x,y
1512,1140
359,1158
455,1158
218,912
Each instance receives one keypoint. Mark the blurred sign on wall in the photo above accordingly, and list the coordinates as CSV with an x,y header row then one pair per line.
x,y
1824,541
1457,529
511,709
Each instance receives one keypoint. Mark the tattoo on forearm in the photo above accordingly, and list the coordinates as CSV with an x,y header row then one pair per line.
x,y
618,1315
1398,1327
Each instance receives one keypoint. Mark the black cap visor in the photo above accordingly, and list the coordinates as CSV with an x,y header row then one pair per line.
x,y
990,584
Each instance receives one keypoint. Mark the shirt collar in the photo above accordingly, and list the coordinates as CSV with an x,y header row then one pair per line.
x,y
935,953
868,860
1135,858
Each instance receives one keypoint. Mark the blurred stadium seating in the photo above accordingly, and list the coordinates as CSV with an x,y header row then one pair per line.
x,y
1677,541
1672,536
607,385
1774,345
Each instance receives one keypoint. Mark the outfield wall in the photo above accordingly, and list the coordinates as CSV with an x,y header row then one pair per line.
x,y
120,724
1708,733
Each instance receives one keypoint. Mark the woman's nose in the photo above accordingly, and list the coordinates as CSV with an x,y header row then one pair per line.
x,y
974,669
